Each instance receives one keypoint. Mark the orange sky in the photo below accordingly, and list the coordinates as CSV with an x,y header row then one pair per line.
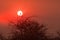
x,y
47,10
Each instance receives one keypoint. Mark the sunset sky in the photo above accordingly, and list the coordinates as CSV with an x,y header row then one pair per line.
x,y
48,12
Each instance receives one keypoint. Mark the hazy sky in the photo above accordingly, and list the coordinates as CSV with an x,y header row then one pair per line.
x,y
47,10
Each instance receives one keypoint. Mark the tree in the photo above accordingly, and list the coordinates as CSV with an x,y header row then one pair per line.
x,y
29,30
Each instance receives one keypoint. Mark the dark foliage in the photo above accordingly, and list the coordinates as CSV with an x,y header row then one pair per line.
x,y
29,30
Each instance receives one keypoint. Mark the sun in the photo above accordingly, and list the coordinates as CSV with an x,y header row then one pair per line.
x,y
19,13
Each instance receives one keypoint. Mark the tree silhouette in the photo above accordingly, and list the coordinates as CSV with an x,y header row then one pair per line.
x,y
29,30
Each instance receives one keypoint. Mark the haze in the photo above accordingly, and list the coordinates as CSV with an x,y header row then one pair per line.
x,y
48,12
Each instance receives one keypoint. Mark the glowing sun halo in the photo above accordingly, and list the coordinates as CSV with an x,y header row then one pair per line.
x,y
19,13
